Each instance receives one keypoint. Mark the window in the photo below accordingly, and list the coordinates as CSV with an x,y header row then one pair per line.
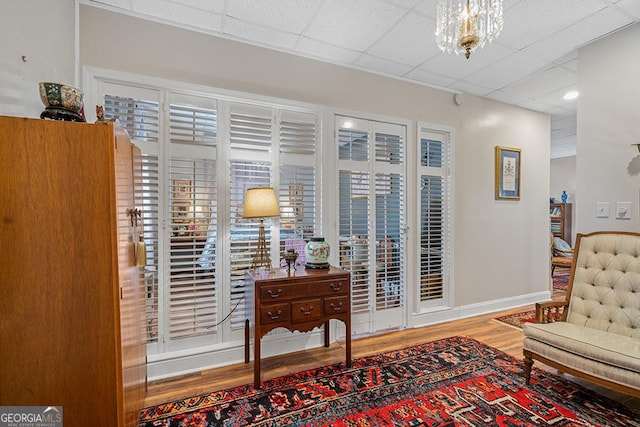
x,y
199,245
434,217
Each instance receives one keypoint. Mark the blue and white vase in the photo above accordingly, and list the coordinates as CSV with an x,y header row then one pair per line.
x,y
564,197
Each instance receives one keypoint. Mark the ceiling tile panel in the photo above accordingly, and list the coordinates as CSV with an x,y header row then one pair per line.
x,y
459,67
507,71
427,7
318,49
287,15
630,6
429,78
215,6
544,81
382,65
530,21
187,16
259,34
354,24
592,27
409,42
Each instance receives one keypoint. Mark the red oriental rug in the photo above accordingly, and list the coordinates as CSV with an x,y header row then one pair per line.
x,y
452,382
560,281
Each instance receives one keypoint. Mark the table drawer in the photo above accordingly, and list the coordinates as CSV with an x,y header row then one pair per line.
x,y
275,313
273,293
334,305
302,311
332,287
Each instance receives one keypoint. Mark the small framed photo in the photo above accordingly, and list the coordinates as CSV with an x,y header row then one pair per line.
x,y
507,173
182,189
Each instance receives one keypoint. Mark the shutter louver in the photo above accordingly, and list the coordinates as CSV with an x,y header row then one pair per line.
x,y
431,222
389,245
297,133
250,128
353,145
147,199
389,148
193,126
139,117
353,189
297,207
244,231
192,283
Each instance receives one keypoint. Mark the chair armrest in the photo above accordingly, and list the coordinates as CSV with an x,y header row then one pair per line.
x,y
551,311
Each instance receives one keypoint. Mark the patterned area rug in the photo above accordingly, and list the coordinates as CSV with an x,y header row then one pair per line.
x,y
518,319
450,382
560,282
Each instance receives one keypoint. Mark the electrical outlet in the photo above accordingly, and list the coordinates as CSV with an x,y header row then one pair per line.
x,y
623,210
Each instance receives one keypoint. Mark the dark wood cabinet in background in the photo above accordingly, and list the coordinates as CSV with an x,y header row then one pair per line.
x,y
71,297
561,220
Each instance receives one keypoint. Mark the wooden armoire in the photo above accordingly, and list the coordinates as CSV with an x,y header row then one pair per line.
x,y
71,295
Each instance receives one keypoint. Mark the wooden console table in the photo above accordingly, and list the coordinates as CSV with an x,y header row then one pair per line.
x,y
299,301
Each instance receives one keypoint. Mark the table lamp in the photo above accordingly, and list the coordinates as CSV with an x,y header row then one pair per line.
x,y
261,202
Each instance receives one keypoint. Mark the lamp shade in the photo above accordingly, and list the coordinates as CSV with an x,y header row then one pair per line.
x,y
260,202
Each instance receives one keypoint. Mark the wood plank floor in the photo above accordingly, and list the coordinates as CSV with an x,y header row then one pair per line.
x,y
483,328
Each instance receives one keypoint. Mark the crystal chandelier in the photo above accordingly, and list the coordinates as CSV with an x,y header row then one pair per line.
x,y
464,25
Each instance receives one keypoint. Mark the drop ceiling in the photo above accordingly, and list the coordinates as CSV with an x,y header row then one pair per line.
x,y
532,64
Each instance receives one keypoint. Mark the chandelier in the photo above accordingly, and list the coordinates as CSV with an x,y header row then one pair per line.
x,y
464,25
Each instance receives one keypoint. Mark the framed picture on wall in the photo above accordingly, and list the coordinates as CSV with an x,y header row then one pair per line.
x,y
182,189
508,173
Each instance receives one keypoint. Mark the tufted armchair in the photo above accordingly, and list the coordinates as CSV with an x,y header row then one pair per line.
x,y
595,333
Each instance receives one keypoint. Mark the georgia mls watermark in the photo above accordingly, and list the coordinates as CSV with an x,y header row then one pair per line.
x,y
30,416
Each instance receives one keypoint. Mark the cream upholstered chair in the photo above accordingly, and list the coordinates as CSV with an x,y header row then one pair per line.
x,y
595,333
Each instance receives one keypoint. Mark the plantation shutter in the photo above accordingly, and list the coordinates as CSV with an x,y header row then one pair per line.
x,y
193,243
244,231
354,192
389,214
138,112
297,189
433,201
371,218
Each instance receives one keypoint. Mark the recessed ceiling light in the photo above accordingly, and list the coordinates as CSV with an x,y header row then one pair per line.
x,y
572,94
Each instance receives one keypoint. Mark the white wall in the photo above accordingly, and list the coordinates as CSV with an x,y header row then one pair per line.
x,y
43,32
608,122
563,178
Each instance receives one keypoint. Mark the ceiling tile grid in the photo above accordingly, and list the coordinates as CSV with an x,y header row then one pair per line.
x,y
531,64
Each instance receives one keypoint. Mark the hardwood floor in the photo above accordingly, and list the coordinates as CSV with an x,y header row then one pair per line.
x,y
483,328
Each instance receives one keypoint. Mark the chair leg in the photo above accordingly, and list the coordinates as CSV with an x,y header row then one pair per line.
x,y
528,364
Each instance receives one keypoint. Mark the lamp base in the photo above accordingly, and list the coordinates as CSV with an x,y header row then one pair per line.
x,y
262,260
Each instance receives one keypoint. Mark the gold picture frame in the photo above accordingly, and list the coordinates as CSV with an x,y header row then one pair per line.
x,y
508,176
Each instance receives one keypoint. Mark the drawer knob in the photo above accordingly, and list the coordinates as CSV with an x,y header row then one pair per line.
x,y
336,286
275,294
274,316
336,307
306,312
